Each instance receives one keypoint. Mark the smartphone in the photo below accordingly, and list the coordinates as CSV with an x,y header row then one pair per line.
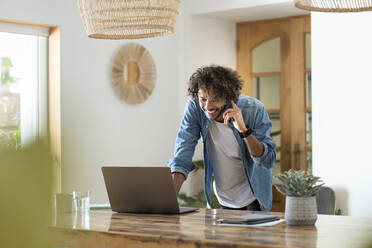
x,y
227,106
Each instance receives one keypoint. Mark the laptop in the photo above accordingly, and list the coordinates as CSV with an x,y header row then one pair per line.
x,y
142,190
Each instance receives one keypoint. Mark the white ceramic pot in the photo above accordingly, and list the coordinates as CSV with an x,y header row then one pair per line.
x,y
301,210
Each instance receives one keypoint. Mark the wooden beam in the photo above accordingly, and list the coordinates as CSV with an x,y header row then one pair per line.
x,y
55,106
266,74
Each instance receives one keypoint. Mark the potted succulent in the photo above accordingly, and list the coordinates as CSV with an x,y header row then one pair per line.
x,y
300,188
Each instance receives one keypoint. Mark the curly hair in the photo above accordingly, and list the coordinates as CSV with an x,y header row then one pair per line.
x,y
225,82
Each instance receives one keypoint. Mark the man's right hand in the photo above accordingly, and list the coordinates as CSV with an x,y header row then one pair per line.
x,y
178,179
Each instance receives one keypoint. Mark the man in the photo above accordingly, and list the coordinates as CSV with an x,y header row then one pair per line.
x,y
238,150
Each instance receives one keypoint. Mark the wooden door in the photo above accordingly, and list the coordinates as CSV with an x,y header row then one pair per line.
x,y
274,63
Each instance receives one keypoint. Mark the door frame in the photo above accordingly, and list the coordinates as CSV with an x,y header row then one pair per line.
x,y
292,31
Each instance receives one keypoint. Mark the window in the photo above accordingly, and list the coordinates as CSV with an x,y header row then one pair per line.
x,y
23,85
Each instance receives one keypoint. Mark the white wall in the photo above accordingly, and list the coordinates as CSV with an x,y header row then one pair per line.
x,y
342,107
98,128
206,41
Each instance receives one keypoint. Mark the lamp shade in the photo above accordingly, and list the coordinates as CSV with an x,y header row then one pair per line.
x,y
128,19
334,5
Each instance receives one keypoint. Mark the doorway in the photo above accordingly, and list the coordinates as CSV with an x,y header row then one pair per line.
x,y
274,60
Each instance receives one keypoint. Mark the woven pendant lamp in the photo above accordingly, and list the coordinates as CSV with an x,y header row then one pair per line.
x,y
128,19
334,5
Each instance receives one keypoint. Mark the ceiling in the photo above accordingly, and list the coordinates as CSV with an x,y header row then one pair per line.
x,y
258,12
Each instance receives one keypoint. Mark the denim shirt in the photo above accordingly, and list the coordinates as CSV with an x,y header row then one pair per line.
x,y
257,169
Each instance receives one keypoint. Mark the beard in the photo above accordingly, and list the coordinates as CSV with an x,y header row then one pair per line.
x,y
216,114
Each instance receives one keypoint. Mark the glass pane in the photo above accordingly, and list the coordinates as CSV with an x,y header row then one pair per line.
x,y
267,90
308,51
275,130
276,169
308,89
266,56
308,130
19,63
309,160
275,134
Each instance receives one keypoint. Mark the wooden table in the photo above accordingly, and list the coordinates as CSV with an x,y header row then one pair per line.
x,y
103,228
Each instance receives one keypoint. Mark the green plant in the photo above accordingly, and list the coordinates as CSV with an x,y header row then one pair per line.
x,y
198,200
298,183
13,138
199,164
5,78
275,133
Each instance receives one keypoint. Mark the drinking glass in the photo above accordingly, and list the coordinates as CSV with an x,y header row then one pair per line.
x,y
81,200
63,203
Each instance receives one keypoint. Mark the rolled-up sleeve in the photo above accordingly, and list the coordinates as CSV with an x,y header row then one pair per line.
x,y
262,129
187,138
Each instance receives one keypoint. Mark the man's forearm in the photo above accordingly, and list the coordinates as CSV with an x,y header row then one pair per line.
x,y
178,179
255,146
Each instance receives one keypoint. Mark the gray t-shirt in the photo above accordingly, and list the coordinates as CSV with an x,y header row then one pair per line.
x,y
230,182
